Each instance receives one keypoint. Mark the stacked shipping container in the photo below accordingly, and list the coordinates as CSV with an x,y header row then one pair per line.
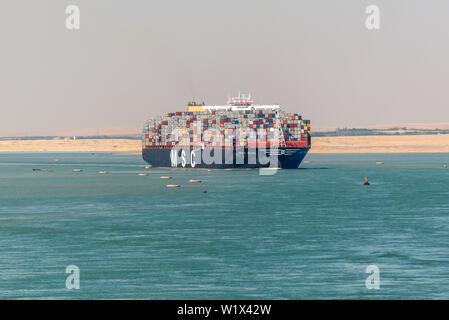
x,y
226,128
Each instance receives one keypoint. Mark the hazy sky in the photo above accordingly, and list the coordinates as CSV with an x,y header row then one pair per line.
x,y
133,59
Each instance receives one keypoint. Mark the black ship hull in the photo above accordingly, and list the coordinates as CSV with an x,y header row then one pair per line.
x,y
285,158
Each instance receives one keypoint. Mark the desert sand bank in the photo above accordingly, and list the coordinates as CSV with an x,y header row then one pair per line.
x,y
358,144
81,145
382,144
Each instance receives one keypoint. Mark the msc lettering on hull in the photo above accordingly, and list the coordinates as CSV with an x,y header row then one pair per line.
x,y
209,156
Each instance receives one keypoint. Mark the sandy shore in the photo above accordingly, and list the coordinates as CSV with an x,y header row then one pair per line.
x,y
81,145
382,144
359,144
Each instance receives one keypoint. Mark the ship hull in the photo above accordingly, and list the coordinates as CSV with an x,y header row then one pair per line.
x,y
285,158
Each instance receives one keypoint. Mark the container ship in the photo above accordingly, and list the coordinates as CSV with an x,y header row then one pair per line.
x,y
239,134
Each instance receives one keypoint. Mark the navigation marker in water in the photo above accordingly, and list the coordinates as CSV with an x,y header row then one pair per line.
x,y
366,183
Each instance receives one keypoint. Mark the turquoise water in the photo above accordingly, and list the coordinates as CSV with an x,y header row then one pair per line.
x,y
299,234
